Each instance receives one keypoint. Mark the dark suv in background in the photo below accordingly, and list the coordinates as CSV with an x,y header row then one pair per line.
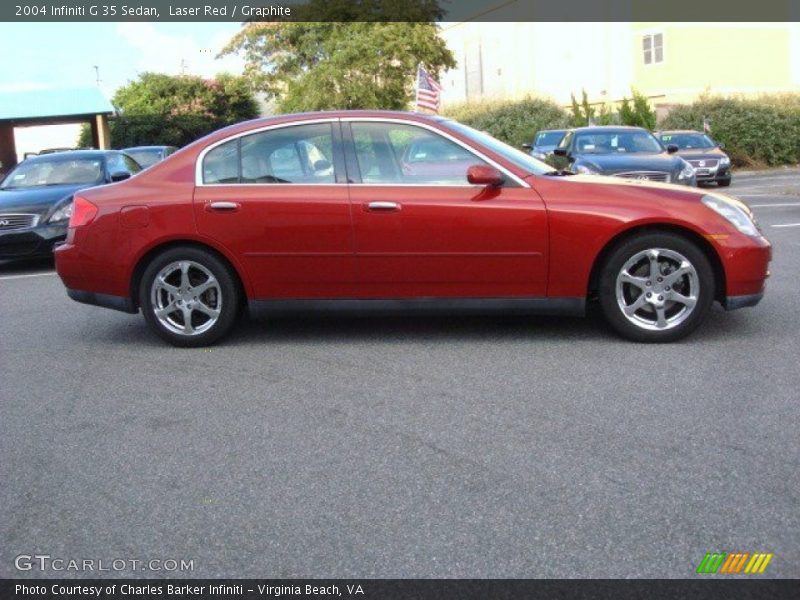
x,y
710,163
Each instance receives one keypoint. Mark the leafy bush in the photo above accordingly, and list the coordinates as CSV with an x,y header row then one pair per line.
x,y
638,115
160,109
583,113
514,122
756,131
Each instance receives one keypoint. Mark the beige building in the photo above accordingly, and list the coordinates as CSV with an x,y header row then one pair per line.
x,y
668,62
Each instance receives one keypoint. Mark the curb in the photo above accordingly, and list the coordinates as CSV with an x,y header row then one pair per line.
x,y
762,172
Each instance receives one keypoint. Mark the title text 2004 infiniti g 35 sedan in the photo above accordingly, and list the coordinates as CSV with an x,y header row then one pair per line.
x,y
366,208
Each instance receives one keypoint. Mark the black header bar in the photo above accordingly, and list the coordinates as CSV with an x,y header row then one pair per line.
x,y
400,10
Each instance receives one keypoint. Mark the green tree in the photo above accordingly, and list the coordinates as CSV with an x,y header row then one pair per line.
x,y
344,55
638,115
582,114
578,118
163,109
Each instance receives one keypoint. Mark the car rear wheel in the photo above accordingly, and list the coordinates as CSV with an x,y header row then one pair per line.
x,y
189,297
656,287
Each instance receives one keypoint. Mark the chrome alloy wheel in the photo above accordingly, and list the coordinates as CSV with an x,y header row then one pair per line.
x,y
186,298
657,289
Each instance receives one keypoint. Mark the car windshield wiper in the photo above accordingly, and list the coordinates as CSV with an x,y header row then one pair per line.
x,y
559,173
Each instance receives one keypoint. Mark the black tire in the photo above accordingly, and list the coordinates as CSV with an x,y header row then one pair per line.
x,y
222,297
724,182
669,249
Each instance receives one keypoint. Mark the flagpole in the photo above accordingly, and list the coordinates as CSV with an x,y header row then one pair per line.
x,y
416,88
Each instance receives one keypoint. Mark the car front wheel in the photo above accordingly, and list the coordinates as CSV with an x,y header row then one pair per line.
x,y
656,287
189,297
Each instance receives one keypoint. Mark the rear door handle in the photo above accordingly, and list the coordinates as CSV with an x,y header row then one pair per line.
x,y
383,206
224,206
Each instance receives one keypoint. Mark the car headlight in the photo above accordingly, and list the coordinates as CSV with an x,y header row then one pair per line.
x,y
734,211
62,213
539,155
585,170
687,171
724,161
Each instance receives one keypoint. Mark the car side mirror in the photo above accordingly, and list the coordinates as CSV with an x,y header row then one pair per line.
x,y
672,148
560,152
485,175
120,176
721,145
527,146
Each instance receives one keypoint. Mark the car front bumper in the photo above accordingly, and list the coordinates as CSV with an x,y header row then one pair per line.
x,y
713,174
33,242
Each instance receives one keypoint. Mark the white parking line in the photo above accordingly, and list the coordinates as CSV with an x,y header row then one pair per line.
x,y
781,205
788,225
759,195
28,275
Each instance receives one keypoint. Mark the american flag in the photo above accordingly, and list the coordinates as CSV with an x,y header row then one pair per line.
x,y
428,91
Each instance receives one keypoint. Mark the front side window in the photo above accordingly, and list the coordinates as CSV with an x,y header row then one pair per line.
x,y
300,154
405,154
653,47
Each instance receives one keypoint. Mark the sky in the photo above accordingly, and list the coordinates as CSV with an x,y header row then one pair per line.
x,y
63,55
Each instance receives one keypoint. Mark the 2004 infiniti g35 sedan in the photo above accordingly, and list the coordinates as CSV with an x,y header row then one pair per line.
x,y
365,208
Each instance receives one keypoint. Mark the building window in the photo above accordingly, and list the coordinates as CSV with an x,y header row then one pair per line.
x,y
653,46
473,71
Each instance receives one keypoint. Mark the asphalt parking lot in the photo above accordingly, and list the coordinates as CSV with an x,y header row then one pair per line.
x,y
404,446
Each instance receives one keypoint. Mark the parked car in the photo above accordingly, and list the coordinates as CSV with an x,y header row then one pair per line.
x,y
36,196
629,152
316,209
147,156
710,163
544,142
54,150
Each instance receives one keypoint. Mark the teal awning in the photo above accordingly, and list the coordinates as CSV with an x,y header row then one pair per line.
x,y
53,104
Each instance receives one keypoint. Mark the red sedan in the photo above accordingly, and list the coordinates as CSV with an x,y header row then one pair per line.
x,y
326,209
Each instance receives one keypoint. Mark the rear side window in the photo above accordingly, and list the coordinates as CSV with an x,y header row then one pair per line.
x,y
221,164
300,154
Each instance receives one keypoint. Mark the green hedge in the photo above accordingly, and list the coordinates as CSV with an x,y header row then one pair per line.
x,y
514,122
762,131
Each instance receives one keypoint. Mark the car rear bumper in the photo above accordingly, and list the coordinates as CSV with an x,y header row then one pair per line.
x,y
735,302
38,241
105,300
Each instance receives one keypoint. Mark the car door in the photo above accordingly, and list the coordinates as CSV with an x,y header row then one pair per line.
x,y
277,199
422,230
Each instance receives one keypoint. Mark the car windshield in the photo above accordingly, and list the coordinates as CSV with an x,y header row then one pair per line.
x,y
145,158
548,138
688,141
58,171
517,157
616,142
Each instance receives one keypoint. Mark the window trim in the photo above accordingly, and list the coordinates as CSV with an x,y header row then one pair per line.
x,y
198,167
341,139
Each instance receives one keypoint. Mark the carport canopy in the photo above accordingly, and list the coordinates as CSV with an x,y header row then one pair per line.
x,y
52,107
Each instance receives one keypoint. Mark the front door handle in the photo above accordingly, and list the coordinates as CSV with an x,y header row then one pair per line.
x,y
224,206
383,206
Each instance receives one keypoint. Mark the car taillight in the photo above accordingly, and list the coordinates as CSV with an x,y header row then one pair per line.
x,y
83,212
